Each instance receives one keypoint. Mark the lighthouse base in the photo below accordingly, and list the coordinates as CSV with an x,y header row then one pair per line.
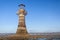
x,y
21,31
16,37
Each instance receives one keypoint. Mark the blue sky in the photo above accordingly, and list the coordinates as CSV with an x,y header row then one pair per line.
x,y
42,15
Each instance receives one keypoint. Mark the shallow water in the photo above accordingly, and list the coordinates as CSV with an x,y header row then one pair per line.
x,y
44,39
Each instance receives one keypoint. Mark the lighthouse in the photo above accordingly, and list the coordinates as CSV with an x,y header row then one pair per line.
x,y
21,30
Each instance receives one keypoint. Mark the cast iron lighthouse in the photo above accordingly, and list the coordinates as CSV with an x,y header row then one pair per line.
x,y
21,30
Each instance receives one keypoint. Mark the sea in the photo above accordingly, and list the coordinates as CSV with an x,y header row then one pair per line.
x,y
45,39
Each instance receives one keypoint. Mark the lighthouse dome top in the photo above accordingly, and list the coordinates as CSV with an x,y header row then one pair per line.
x,y
22,9
21,5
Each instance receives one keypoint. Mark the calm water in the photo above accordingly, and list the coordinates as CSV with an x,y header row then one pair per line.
x,y
45,39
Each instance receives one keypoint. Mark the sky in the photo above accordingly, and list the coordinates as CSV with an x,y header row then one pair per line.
x,y
42,15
